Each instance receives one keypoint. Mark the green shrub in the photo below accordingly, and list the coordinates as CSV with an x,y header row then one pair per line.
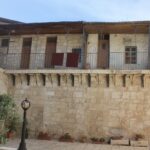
x,y
8,112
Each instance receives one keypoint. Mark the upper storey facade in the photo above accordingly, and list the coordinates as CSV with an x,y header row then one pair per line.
x,y
75,45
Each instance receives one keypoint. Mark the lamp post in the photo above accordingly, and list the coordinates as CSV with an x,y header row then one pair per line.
x,y
25,106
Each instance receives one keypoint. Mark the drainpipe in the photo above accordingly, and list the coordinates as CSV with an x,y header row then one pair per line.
x,y
84,52
66,47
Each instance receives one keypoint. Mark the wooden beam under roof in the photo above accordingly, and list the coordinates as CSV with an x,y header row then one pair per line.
x,y
75,28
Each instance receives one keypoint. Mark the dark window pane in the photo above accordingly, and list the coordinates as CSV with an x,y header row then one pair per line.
x,y
79,51
5,43
127,49
27,42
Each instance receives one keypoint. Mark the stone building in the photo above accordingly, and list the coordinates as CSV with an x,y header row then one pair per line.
x,y
84,78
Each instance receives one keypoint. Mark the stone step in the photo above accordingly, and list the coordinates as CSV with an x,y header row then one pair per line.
x,y
7,148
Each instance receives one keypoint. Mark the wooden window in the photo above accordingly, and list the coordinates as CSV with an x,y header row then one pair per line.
x,y
79,51
5,43
104,36
130,55
27,42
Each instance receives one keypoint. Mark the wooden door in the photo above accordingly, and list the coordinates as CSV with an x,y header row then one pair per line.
x,y
103,54
25,55
50,49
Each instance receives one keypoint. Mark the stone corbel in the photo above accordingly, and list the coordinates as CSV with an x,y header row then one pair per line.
x,y
77,79
147,80
33,80
54,80
84,80
129,80
10,79
48,80
24,79
94,80
63,79
102,80
18,80
70,80
112,80
39,80
137,80
119,80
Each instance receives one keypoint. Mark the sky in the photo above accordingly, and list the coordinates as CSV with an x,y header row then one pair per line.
x,y
75,10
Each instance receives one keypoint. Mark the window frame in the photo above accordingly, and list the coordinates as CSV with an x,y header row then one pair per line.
x,y
76,50
130,55
5,42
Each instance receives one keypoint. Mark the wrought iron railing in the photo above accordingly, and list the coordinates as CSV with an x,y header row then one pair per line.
x,y
126,61
116,60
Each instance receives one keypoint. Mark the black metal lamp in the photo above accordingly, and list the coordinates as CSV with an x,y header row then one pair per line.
x,y
25,106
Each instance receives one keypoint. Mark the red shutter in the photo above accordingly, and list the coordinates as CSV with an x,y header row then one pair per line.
x,y
72,59
57,59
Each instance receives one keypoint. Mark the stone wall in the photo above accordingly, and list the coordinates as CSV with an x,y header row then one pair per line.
x,y
118,42
3,82
84,102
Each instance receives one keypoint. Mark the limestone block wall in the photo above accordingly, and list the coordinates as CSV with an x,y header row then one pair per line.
x,y
118,42
3,82
82,102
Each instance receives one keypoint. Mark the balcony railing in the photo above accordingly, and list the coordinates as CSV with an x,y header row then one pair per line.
x,y
116,60
123,61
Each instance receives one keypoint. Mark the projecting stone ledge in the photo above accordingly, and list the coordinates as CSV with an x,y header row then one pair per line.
x,y
77,78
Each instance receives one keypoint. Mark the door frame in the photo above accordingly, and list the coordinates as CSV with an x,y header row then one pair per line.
x,y
103,37
25,65
46,64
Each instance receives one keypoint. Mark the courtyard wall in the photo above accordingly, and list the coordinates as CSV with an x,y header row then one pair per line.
x,y
98,103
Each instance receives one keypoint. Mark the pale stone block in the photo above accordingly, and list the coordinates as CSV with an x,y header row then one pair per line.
x,y
120,142
140,143
50,93
78,94
126,95
116,95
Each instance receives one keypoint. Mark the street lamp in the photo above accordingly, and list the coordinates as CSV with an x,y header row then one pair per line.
x,y
25,106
